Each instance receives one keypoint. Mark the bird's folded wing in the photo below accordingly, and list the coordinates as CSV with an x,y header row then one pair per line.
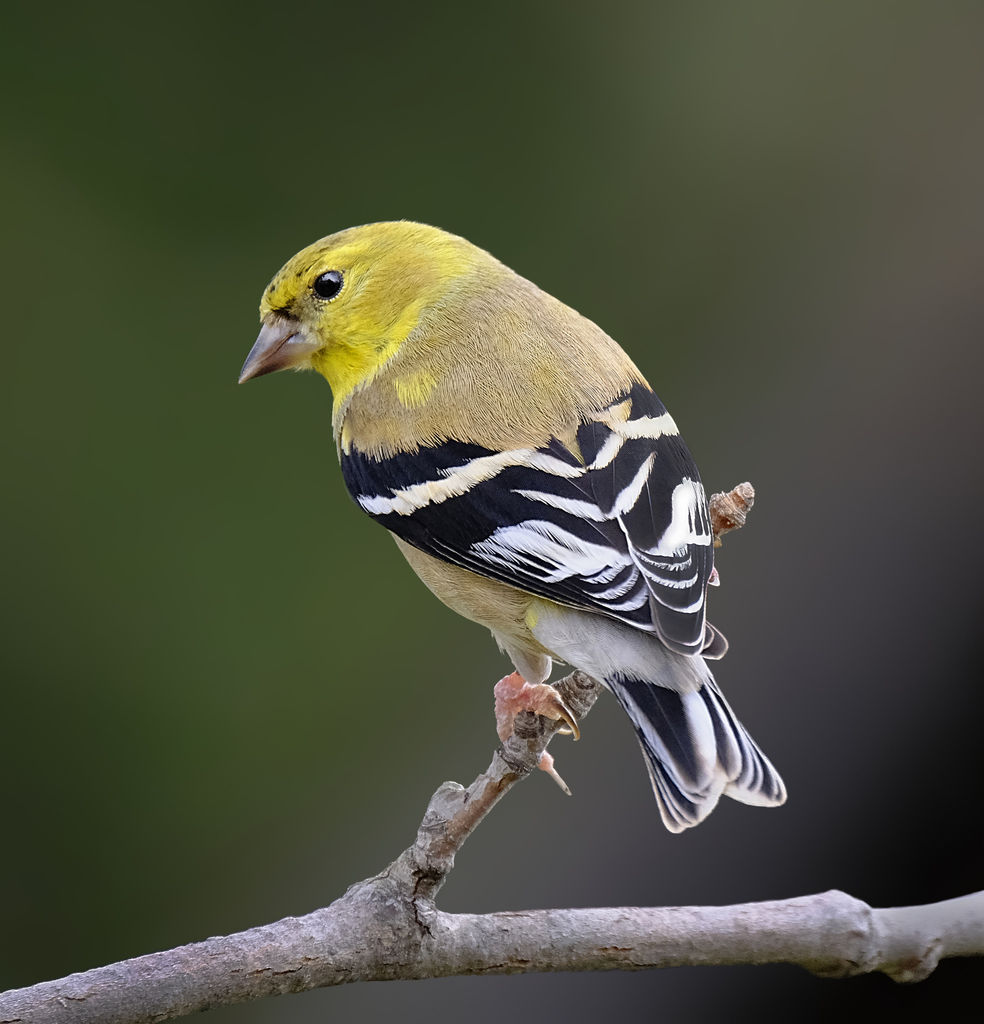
x,y
616,522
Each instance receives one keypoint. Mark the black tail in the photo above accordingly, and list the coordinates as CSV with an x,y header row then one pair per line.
x,y
694,746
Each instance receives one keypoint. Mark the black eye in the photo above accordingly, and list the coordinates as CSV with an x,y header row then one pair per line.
x,y
328,284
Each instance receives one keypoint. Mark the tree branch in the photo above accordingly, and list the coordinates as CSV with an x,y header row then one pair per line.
x,y
388,927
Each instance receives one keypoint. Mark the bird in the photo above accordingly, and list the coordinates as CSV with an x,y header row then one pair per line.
x,y
531,478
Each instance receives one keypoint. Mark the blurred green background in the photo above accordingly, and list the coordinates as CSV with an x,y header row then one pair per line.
x,y
225,697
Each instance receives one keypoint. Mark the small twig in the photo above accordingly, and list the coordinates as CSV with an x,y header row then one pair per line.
x,y
454,812
729,511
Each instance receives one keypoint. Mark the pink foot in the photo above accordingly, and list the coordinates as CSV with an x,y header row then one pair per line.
x,y
514,694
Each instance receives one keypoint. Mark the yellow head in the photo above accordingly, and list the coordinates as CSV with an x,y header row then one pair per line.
x,y
344,305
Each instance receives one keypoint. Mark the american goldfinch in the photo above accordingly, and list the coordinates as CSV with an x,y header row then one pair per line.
x,y
531,478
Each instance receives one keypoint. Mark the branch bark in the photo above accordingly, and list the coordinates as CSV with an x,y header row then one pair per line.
x,y
388,927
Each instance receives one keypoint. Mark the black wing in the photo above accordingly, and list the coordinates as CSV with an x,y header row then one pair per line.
x,y
623,529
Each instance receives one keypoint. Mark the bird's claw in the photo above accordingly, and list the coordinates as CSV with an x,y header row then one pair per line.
x,y
570,728
513,694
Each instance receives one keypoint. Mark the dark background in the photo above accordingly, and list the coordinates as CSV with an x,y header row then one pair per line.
x,y
225,697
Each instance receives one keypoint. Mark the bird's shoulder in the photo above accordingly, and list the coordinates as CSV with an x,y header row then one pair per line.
x,y
503,365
